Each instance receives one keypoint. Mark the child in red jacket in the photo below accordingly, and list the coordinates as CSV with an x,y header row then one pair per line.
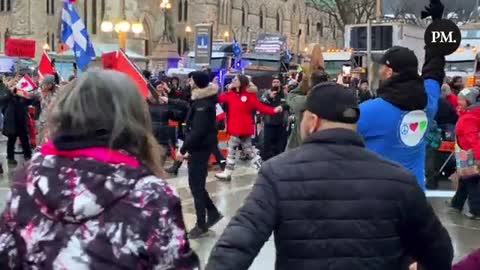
x,y
468,153
240,124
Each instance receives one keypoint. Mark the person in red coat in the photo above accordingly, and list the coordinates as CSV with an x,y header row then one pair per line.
x,y
241,104
468,153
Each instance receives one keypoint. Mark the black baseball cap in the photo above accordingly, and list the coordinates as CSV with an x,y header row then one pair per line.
x,y
333,102
399,59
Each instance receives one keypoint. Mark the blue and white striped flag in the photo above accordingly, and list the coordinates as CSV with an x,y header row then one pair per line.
x,y
75,36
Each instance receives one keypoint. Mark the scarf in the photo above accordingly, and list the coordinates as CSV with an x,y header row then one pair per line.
x,y
405,91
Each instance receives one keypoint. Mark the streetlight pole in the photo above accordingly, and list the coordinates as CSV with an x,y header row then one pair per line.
x,y
165,6
122,27
477,12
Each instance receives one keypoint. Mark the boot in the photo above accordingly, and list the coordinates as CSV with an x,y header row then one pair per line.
x,y
213,218
174,169
223,164
226,175
256,163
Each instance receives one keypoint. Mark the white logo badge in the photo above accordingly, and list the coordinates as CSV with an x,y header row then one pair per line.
x,y
243,99
413,127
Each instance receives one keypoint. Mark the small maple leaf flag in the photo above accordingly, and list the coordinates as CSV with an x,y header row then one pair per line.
x,y
26,84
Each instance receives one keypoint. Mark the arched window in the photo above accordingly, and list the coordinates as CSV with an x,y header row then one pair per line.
x,y
243,16
279,21
48,38
185,11
320,28
221,11
5,5
48,6
293,21
180,10
53,42
261,19
6,36
52,6
227,11
148,37
308,27
179,46
102,9
94,17
185,45
85,14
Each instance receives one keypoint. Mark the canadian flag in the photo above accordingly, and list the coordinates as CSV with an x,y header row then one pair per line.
x,y
26,84
45,67
220,113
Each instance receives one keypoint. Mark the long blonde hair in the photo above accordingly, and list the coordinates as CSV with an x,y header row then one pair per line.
x,y
108,102
316,63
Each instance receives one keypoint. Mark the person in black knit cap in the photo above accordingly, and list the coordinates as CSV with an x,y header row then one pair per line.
x,y
200,140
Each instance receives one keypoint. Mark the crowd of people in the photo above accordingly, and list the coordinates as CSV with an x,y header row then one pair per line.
x,y
340,182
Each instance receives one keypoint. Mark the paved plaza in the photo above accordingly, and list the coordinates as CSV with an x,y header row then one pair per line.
x,y
229,197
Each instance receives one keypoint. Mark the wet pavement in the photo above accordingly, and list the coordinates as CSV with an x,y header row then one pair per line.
x,y
229,197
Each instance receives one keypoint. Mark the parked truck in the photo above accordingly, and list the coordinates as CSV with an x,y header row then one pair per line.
x,y
465,61
384,36
335,59
269,57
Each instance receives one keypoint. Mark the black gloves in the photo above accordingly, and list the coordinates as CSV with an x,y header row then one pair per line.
x,y
435,9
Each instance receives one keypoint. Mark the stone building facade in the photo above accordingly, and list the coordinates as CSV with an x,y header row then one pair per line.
x,y
240,19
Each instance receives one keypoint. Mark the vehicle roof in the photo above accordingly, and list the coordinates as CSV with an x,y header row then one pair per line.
x,y
262,56
179,71
466,55
337,56
214,54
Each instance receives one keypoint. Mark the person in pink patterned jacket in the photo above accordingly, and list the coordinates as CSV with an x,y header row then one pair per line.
x,y
93,197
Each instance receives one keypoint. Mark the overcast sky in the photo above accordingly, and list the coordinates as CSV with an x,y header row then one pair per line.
x,y
417,5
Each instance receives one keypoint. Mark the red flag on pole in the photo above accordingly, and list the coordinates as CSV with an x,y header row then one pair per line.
x,y
45,66
109,60
124,65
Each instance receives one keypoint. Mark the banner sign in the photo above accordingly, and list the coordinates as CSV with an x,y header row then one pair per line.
x,y
270,43
203,44
23,48
7,65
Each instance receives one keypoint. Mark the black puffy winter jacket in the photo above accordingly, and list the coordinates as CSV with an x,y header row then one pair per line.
x,y
334,205
201,121
161,114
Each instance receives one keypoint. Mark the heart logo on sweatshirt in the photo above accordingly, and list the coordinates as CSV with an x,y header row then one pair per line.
x,y
413,127
423,125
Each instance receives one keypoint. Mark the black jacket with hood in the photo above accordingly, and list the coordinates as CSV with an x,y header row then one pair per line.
x,y
161,114
201,121
332,204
